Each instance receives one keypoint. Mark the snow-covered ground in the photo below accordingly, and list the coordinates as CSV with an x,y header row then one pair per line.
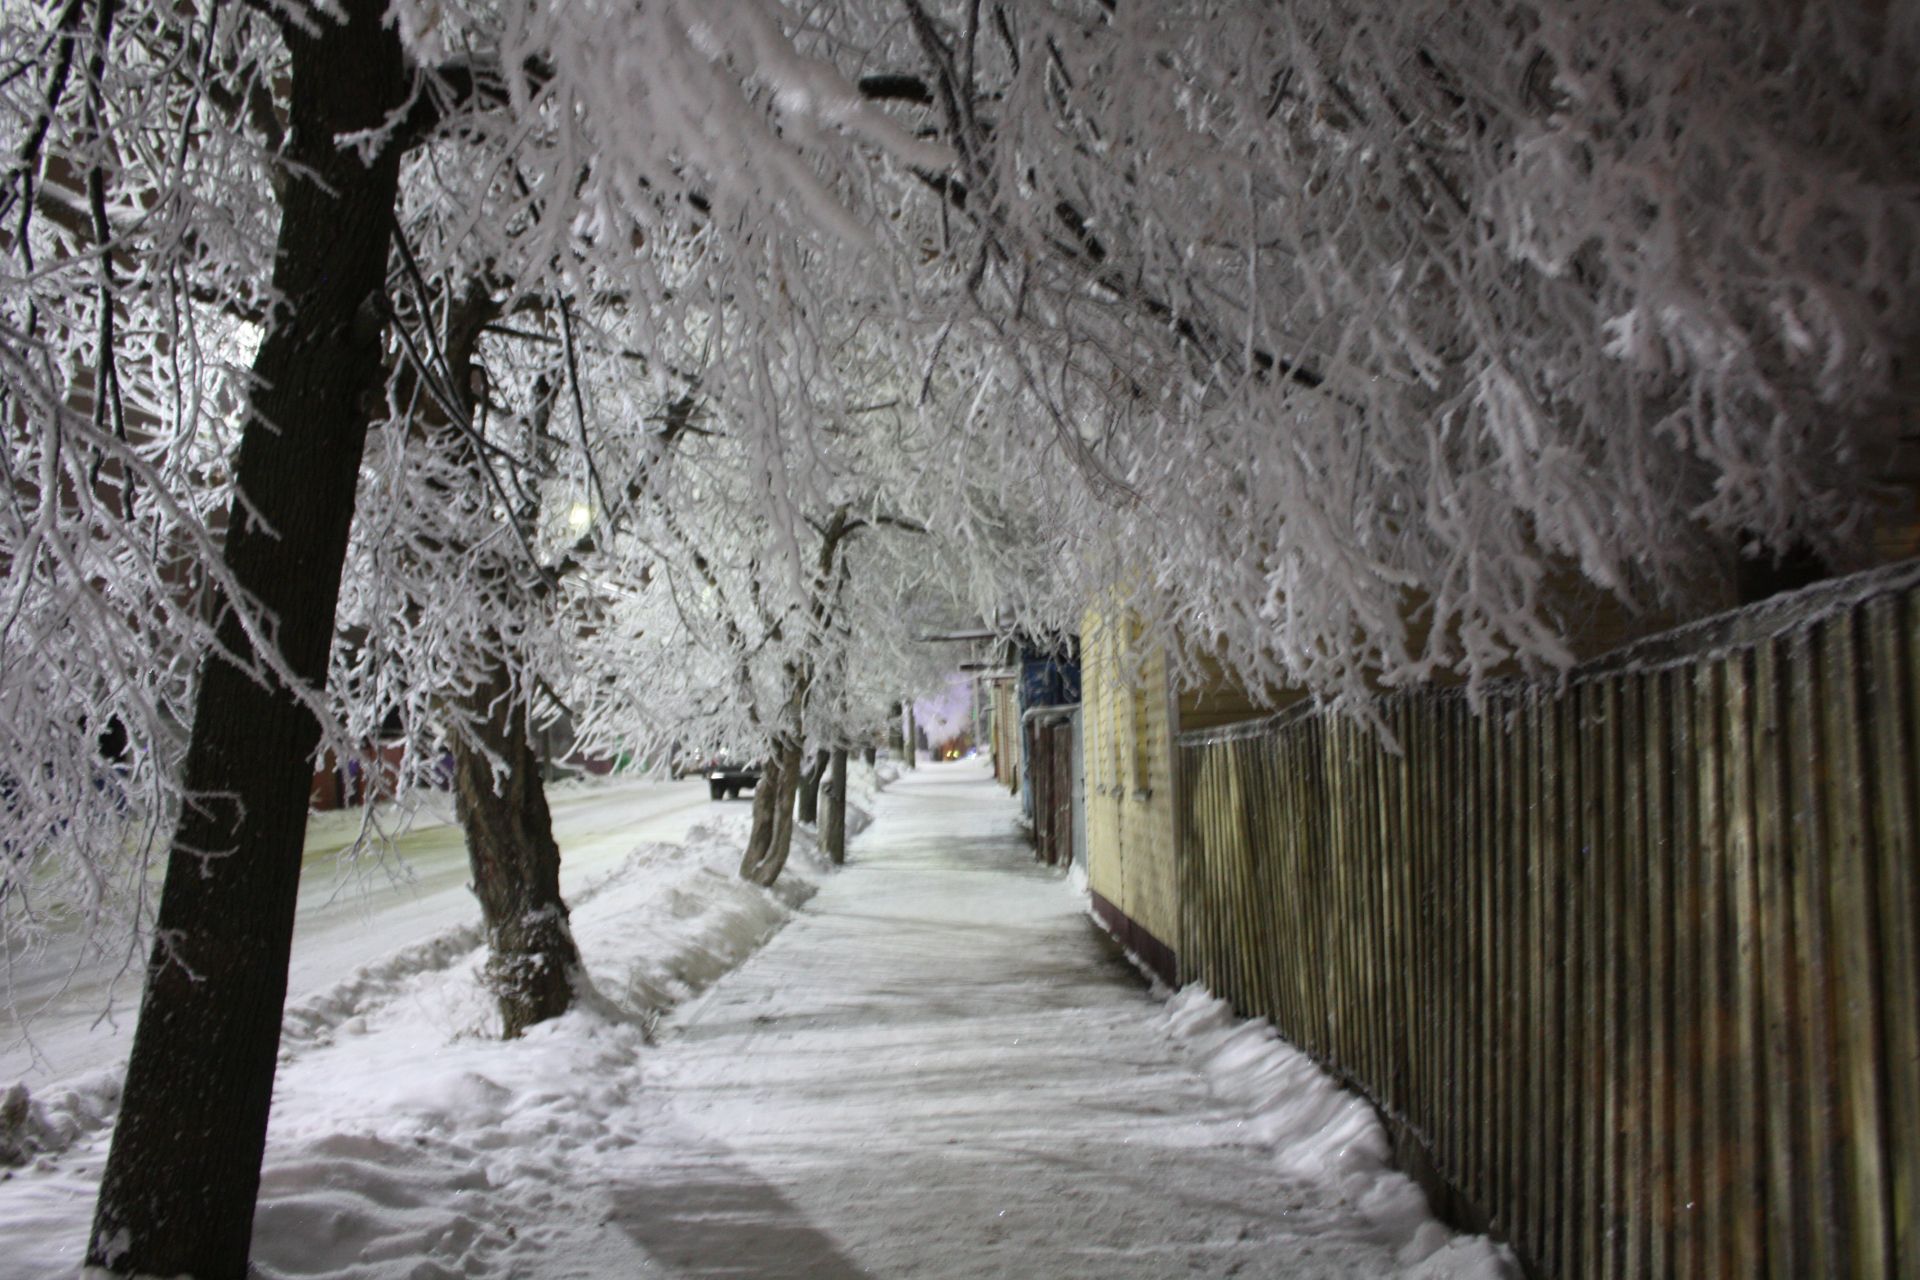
x,y
935,1069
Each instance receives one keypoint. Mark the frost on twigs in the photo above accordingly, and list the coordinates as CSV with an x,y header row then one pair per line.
x,y
1378,323
1352,340
130,270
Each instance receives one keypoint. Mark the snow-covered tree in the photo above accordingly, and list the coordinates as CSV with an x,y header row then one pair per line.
x,y
1374,319
502,463
324,104
130,281
728,643
1339,331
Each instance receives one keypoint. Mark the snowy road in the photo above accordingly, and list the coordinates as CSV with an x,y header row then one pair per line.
x,y
346,916
939,1069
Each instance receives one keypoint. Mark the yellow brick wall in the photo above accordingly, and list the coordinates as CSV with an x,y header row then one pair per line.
x,y
1127,737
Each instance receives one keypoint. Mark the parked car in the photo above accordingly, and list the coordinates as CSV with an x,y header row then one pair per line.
x,y
725,779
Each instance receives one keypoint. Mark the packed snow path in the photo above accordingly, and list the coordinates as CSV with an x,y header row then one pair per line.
x,y
941,1069
936,1068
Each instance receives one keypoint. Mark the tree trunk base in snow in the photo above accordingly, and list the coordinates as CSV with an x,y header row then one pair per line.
x,y
771,838
515,861
531,971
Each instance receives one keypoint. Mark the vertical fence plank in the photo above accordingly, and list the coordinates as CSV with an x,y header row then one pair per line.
x,y
1188,943
1662,1120
1304,960
1426,816
1307,787
1254,857
1473,1054
1778,1063
1183,821
1309,964
1389,873
1689,1088
1716,987
1199,965
1197,898
1220,869
1263,821
1855,930
1314,807
1516,979
1267,843
1389,1011
1260,824
1360,854
1196,963
1748,1156
1813,955
1250,879
1241,899
1594,918
1459,930
1360,866
1334,860
1895,710
1574,1094
1543,841
1220,877
1486,955
1366,857
1466,882
1633,1086
1240,883
1608,849
1406,934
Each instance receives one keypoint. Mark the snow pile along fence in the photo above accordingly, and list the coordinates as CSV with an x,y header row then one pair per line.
x,y
1629,963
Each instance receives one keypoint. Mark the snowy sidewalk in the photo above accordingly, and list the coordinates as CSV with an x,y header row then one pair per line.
x,y
939,1069
935,1067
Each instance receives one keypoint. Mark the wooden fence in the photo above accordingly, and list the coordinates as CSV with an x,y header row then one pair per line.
x,y
1633,963
1050,765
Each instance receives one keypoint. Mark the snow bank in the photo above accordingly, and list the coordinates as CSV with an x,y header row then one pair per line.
x,y
408,1141
313,1021
35,1126
1321,1132
697,920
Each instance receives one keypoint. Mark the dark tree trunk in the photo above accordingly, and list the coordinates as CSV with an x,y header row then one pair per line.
x,y
912,736
810,789
766,794
772,836
871,755
833,829
515,860
509,830
178,1192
